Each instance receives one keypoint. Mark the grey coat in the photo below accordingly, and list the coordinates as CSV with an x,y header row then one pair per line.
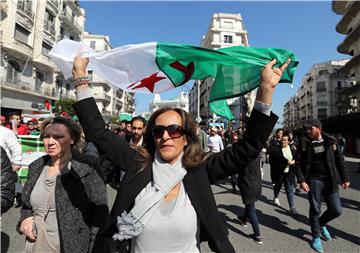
x,y
80,198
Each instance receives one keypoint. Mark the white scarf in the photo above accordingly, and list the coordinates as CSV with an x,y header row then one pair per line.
x,y
165,177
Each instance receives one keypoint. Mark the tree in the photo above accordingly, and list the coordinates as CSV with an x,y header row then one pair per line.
x,y
65,105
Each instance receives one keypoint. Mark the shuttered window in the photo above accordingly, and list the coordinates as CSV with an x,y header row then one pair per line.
x,y
21,33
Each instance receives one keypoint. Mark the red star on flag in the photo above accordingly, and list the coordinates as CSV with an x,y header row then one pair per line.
x,y
148,82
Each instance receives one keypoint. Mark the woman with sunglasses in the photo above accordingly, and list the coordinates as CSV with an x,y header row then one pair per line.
x,y
165,202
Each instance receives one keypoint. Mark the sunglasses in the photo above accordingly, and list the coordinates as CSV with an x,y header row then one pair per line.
x,y
174,131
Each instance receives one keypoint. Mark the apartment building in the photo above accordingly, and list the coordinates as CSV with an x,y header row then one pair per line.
x,y
349,25
225,30
181,102
292,114
29,80
319,95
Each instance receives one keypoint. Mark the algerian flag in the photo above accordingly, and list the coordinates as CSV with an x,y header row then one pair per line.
x,y
156,67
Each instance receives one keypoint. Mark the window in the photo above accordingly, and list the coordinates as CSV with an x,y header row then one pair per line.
x,y
339,85
227,25
321,87
45,48
39,78
13,72
228,39
93,44
25,6
322,113
323,72
49,22
322,103
90,75
21,33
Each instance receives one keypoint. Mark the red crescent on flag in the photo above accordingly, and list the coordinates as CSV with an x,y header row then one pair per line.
x,y
187,70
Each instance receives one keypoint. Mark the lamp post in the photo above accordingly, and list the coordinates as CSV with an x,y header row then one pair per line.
x,y
198,118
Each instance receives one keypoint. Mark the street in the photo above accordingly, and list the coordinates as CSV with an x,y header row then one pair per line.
x,y
280,231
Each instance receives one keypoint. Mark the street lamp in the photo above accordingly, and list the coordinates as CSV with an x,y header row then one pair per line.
x,y
198,118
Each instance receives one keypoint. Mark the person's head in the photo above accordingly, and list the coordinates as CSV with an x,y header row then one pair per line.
x,y
137,127
285,140
171,131
291,136
2,120
278,134
213,131
123,124
60,136
31,124
313,128
15,118
234,137
128,127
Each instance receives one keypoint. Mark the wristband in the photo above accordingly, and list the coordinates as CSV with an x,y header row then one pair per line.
x,y
81,81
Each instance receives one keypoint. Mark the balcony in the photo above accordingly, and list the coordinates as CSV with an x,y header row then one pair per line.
x,y
352,37
20,85
18,48
45,62
49,28
70,22
350,13
74,5
102,96
25,12
53,4
3,6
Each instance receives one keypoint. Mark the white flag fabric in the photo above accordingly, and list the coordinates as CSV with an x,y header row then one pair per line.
x,y
122,67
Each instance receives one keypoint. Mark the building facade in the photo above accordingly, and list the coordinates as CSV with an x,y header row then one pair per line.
x,y
319,95
29,79
292,114
349,25
225,30
181,102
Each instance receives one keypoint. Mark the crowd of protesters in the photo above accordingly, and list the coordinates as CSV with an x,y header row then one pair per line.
x,y
296,160
64,205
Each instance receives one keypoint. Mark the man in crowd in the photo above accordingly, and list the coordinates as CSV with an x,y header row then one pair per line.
x,y
215,142
11,145
16,125
2,120
203,138
318,169
138,125
274,151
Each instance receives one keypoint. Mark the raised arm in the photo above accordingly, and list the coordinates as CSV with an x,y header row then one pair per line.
x,y
115,149
261,123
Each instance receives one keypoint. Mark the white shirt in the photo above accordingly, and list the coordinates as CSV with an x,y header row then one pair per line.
x,y
216,144
176,232
139,142
288,155
10,143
